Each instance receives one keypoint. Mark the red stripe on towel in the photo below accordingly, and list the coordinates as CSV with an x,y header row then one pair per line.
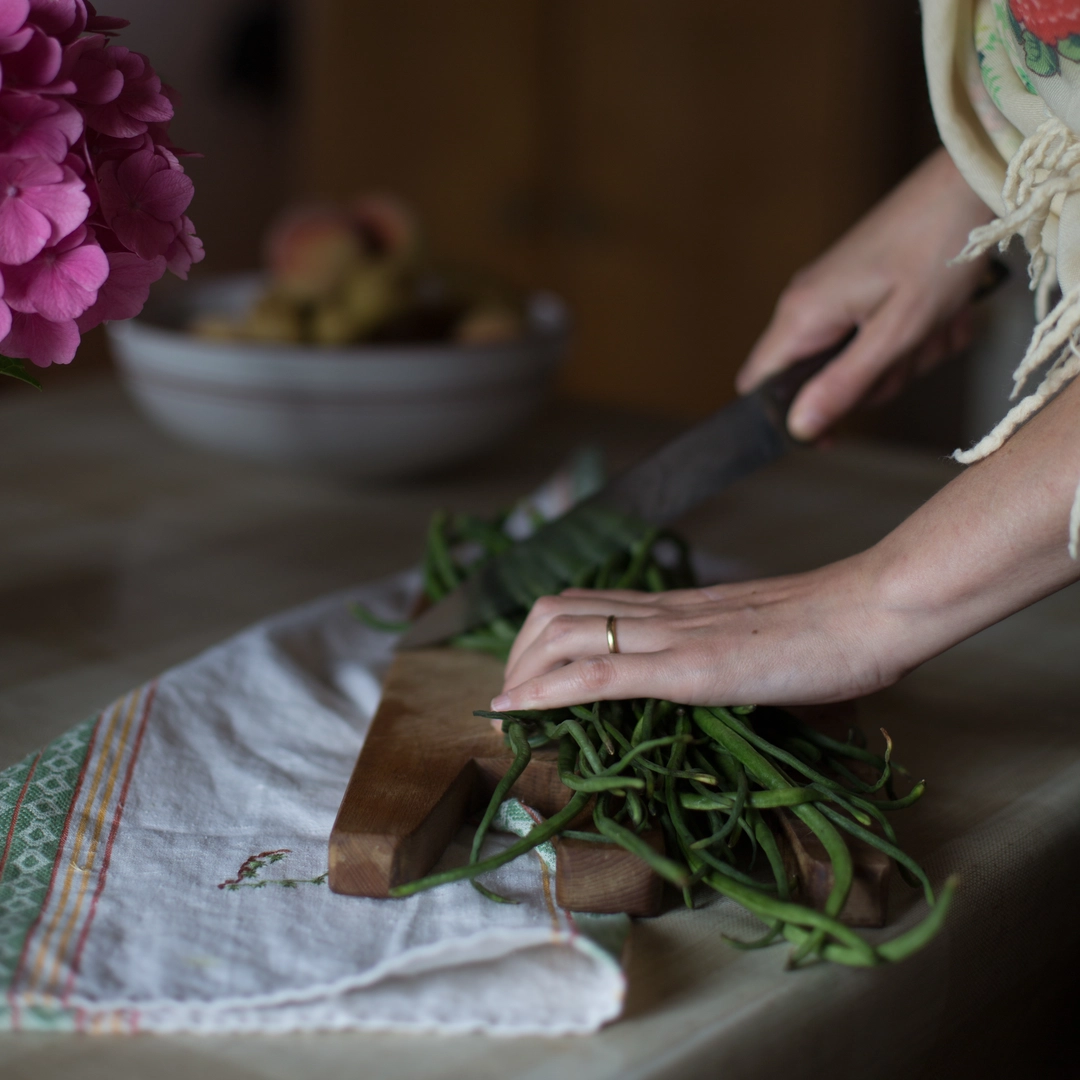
x,y
109,845
15,816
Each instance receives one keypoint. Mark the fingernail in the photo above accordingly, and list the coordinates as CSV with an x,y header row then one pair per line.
x,y
501,703
805,423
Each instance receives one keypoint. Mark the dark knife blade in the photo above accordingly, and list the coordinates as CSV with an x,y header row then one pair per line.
x,y
736,440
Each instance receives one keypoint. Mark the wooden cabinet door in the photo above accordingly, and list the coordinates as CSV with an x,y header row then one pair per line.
x,y
666,166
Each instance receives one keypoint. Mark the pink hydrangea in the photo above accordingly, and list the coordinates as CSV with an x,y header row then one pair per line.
x,y
93,197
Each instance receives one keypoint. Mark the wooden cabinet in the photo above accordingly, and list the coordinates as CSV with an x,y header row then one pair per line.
x,y
666,165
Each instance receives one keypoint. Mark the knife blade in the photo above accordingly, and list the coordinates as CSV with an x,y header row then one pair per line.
x,y
743,436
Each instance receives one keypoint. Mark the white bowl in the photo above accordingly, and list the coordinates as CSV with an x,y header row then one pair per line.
x,y
365,410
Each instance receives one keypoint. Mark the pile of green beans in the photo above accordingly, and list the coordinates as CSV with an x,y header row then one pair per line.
x,y
711,778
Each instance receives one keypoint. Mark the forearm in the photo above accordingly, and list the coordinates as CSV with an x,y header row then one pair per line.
x,y
988,544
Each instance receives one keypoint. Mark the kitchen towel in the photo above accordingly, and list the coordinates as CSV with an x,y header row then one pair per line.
x,y
163,866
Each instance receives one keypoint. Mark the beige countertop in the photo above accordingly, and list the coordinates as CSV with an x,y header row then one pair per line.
x,y
122,553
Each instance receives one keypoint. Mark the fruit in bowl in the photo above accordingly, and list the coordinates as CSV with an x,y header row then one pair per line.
x,y
349,274
350,354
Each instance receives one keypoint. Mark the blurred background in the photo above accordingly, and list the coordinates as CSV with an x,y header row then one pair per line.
x,y
663,167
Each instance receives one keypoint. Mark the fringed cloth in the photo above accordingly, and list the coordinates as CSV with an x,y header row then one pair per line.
x,y
1044,170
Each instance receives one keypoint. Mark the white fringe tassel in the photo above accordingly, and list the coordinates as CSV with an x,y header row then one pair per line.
x,y
1046,166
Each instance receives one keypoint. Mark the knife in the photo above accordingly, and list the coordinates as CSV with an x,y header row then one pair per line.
x,y
739,438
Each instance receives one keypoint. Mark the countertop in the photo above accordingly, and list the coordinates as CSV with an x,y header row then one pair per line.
x,y
122,553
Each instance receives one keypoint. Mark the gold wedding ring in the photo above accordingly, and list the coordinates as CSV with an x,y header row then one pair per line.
x,y
612,640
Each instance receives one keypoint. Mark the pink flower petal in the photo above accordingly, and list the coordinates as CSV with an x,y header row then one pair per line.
x,y
99,86
16,42
125,290
167,194
185,250
40,341
5,319
58,284
24,231
65,205
32,126
64,19
13,14
36,64
26,173
145,235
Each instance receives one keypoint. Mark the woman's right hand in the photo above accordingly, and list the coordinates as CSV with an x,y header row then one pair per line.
x,y
890,277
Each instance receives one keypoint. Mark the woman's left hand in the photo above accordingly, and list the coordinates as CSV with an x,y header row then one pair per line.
x,y
801,639
989,543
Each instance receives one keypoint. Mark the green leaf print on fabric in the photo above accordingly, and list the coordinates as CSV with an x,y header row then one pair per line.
x,y
1070,47
990,78
1005,17
1040,58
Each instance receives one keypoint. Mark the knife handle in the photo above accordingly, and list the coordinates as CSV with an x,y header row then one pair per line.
x,y
779,391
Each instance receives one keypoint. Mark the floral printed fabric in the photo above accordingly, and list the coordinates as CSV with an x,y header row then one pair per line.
x,y
998,71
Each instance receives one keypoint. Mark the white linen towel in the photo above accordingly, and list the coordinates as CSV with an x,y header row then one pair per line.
x,y
164,866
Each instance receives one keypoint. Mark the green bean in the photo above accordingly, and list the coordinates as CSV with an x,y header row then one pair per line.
x,y
759,800
617,735
891,850
434,589
846,801
635,809
536,836
727,730
644,748
757,741
909,799
592,718
769,845
450,577
636,845
848,750
490,537
903,945
640,553
643,728
787,912
644,763
800,747
376,622
595,784
577,732
519,743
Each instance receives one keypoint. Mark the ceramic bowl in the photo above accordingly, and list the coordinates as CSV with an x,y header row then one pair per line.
x,y
380,411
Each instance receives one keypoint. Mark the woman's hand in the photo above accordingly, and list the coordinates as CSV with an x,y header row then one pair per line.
x,y
889,276
804,639
989,543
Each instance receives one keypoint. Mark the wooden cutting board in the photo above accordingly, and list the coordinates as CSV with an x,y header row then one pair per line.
x,y
428,764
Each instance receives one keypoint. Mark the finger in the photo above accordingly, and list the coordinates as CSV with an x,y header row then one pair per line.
x,y
567,638
891,383
599,678
844,382
623,595
549,608
798,328
629,596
